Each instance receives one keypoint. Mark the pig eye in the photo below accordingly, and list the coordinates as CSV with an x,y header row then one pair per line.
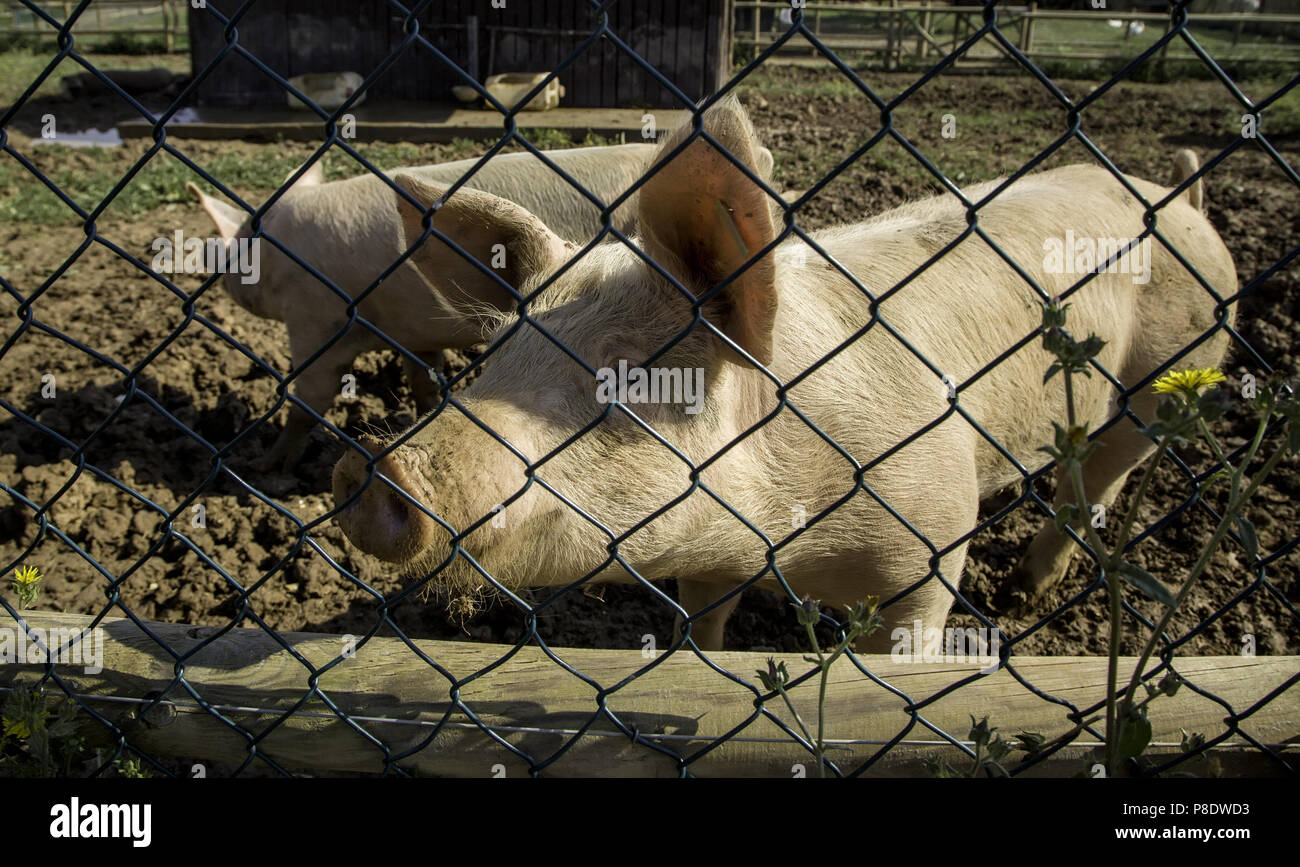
x,y
610,352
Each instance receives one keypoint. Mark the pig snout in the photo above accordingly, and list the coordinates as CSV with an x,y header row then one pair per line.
x,y
380,521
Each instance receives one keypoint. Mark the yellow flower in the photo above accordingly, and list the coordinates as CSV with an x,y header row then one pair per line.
x,y
17,728
1188,382
27,576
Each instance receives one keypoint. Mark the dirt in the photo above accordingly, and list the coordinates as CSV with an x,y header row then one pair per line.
x,y
271,554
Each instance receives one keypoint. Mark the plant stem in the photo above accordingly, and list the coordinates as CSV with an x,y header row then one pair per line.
x,y
1115,594
820,745
1229,516
1140,495
1069,398
807,734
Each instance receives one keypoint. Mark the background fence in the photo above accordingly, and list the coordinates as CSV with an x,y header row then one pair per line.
x,y
912,35
302,698
129,18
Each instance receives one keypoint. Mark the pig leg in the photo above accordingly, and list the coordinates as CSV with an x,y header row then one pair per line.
x,y
942,515
694,595
424,387
1104,474
317,386
928,603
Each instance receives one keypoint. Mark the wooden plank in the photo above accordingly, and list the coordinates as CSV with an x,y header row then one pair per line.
x,y
585,70
707,33
671,55
679,704
626,73
650,35
393,122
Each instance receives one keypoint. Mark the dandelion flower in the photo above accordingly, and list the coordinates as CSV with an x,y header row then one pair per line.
x,y
1188,382
15,728
26,576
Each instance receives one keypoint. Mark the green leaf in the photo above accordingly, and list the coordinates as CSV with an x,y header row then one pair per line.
x,y
1146,582
998,750
1209,482
1248,538
1031,742
1136,736
1192,741
1065,515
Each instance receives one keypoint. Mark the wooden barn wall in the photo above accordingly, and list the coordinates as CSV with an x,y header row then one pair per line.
x,y
687,40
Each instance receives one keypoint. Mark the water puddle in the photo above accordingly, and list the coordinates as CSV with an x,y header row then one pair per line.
x,y
97,138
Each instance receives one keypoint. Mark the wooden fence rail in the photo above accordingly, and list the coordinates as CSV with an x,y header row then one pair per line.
x,y
914,24
102,18
681,704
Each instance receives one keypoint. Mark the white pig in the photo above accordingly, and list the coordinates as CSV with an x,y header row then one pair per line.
x,y
818,402
348,231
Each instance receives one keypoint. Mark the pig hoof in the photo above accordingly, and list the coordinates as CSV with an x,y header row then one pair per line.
x,y
1030,584
1011,598
283,456
271,463
380,521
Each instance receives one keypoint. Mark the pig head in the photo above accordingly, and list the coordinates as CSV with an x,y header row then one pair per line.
x,y
346,232
824,454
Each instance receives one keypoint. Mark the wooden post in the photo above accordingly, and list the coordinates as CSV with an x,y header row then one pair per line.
x,y
890,35
1161,66
680,704
169,25
758,13
927,23
920,40
959,25
1027,28
471,47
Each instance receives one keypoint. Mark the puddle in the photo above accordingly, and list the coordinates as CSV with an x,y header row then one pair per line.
x,y
97,138
86,138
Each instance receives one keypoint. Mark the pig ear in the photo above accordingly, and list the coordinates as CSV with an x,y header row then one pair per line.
x,y
228,219
313,177
502,235
706,214
765,163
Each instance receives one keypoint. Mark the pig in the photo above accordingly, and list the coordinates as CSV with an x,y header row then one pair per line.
x,y
830,457
348,231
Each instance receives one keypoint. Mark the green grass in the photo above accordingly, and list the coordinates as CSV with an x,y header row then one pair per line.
x,y
87,175
20,67
1283,116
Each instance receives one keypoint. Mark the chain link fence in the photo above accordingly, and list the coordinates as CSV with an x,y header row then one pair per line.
x,y
379,465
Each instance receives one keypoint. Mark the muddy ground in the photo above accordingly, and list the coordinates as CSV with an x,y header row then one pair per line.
x,y
142,459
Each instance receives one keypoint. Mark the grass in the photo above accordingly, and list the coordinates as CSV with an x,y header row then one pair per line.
x,y
19,67
1001,110
87,175
1283,116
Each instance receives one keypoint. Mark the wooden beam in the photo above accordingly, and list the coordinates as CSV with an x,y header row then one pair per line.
x,y
681,705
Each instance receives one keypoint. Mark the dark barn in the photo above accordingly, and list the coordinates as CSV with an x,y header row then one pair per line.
x,y
686,40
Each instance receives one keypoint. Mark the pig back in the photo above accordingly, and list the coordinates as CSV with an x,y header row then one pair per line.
x,y
969,319
605,172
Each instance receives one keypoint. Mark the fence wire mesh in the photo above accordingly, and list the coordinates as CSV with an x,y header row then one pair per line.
x,y
29,517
